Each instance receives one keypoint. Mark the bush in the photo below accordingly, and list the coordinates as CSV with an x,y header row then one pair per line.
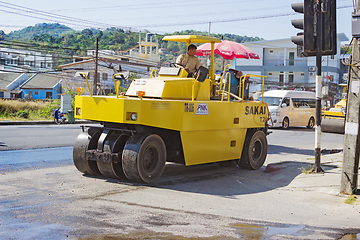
x,y
23,114
11,109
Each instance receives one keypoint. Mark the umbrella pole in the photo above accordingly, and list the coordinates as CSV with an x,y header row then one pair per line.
x,y
212,72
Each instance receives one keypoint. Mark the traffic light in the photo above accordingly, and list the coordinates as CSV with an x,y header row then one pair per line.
x,y
329,34
307,41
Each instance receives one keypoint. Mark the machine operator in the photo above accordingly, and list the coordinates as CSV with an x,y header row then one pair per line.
x,y
189,61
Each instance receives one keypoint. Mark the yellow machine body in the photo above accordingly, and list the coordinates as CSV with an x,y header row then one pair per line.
x,y
211,128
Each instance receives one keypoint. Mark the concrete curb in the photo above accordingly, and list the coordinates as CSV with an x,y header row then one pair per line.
x,y
40,122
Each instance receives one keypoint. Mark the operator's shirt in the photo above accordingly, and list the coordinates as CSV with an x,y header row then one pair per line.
x,y
191,62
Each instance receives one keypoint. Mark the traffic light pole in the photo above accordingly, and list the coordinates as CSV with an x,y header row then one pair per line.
x,y
317,167
350,165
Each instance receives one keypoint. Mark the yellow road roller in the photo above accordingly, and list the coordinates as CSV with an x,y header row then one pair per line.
x,y
170,117
333,120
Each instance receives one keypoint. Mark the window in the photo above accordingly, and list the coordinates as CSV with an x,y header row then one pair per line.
x,y
271,51
1,94
104,76
36,93
291,78
281,79
270,73
49,95
49,65
286,101
272,101
332,57
304,103
291,58
302,74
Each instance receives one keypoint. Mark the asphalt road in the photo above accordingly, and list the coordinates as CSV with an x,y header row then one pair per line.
x,y
43,196
20,137
12,137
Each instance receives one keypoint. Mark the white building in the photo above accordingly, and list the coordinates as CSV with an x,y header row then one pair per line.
x,y
16,59
145,52
284,69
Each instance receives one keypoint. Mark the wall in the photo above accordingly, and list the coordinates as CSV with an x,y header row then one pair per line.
x,y
4,94
41,93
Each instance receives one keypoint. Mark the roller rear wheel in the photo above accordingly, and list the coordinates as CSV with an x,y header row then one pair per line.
x,y
255,150
114,144
86,140
144,158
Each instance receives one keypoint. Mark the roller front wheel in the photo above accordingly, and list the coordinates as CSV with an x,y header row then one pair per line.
x,y
86,140
144,158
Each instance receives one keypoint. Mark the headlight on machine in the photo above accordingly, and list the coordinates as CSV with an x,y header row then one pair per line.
x,y
134,116
78,111
273,114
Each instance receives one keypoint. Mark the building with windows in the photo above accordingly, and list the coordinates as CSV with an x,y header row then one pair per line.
x,y
285,70
10,82
24,60
42,86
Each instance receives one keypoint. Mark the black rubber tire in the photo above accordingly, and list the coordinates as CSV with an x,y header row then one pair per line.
x,y
115,144
255,150
86,140
144,158
311,123
285,123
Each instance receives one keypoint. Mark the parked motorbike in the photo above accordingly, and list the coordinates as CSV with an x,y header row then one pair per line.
x,y
59,117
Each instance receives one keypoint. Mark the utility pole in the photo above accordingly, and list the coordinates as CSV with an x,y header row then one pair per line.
x,y
350,166
96,66
317,166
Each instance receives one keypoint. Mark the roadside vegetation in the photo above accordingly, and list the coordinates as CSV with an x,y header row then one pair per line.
x,y
23,110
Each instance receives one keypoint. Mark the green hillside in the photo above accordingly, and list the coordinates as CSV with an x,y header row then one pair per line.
x,y
63,42
53,29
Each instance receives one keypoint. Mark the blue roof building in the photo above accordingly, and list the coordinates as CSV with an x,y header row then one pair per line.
x,y
42,86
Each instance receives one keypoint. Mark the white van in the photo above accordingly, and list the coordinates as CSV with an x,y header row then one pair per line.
x,y
291,108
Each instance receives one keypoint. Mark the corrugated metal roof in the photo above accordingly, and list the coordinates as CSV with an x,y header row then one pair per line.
x,y
7,78
42,81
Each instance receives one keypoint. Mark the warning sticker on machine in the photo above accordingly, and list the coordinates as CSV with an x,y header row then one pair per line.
x,y
139,82
189,107
202,109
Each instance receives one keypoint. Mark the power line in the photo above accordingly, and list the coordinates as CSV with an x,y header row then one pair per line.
x,y
229,20
70,20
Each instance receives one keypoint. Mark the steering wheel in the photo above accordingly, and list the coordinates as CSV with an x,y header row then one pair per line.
x,y
173,64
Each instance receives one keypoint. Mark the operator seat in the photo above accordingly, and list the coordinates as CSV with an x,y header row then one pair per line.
x,y
201,74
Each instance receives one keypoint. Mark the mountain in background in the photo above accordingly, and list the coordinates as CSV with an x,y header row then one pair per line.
x,y
52,29
63,42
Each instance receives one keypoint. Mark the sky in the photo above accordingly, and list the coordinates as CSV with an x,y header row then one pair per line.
x,y
268,19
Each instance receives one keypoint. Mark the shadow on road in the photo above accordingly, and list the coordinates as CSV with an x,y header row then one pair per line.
x,y
278,149
226,181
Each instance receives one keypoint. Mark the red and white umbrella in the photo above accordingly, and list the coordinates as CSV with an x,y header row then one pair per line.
x,y
228,50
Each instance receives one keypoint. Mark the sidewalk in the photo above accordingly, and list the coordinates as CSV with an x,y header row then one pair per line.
x,y
327,182
40,122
